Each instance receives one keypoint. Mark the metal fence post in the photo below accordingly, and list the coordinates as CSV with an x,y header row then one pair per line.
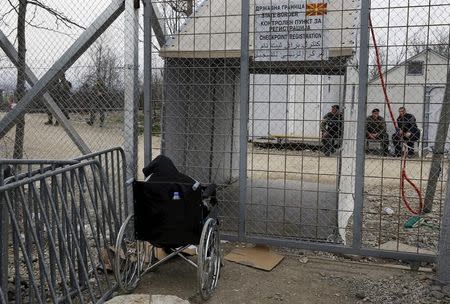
x,y
439,149
443,260
148,121
4,226
360,136
244,98
131,94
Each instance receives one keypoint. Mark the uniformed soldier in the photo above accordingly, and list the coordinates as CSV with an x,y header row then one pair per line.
x,y
98,104
407,132
331,128
376,130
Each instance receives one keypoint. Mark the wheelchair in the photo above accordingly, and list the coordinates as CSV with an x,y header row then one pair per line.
x,y
172,211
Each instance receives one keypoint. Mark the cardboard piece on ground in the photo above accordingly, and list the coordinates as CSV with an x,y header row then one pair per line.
x,y
260,257
160,253
191,250
146,250
105,257
394,246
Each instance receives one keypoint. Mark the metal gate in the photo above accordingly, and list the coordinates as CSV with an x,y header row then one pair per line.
x,y
270,99
240,100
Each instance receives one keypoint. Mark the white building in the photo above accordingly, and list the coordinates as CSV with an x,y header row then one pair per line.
x,y
418,84
291,106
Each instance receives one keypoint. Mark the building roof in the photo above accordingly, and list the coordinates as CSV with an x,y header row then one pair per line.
x,y
413,58
214,30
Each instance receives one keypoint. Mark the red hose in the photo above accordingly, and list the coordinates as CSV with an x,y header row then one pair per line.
x,y
404,176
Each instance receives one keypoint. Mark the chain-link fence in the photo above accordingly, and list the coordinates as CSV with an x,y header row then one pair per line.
x,y
409,63
88,88
311,157
324,123
69,84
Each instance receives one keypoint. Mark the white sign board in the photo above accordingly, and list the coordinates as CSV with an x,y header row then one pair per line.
x,y
290,30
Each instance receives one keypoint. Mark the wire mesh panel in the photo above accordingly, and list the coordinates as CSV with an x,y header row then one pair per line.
x,y
196,95
63,62
304,88
300,108
407,126
302,85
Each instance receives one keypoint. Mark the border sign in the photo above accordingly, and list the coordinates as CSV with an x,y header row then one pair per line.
x,y
290,30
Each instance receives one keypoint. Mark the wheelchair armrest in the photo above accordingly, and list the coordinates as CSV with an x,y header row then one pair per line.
x,y
210,192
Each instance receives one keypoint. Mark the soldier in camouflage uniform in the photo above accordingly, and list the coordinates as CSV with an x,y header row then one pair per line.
x,y
60,92
407,132
331,128
376,130
98,104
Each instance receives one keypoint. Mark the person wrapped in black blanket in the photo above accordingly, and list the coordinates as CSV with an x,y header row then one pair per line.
x,y
169,206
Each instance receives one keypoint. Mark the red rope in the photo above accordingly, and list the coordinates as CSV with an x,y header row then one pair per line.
x,y
402,186
404,176
380,74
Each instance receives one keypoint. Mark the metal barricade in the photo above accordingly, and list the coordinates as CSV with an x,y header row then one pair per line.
x,y
112,163
58,222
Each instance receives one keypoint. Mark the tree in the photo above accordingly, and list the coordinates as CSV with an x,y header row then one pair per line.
x,y
176,11
21,8
184,7
104,69
437,41
105,66
373,67
389,56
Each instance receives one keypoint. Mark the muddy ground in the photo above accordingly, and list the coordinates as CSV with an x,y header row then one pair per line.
x,y
302,277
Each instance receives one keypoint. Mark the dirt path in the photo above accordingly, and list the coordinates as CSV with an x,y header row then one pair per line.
x,y
51,142
307,279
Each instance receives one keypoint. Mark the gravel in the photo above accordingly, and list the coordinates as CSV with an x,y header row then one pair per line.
x,y
405,288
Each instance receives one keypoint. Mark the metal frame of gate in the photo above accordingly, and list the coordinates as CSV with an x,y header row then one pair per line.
x,y
152,19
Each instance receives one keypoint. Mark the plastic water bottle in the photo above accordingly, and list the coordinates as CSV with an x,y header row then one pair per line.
x,y
176,196
196,185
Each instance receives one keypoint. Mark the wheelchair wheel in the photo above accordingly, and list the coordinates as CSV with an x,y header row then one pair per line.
x,y
131,257
209,259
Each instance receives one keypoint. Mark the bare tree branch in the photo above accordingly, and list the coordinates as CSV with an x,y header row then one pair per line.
x,y
153,44
33,15
438,41
39,26
3,16
60,17
14,6
182,6
11,32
